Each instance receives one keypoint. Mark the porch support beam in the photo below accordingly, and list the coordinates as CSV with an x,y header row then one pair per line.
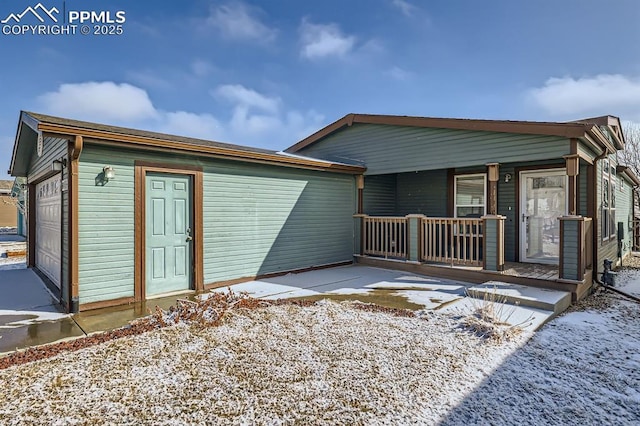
x,y
493,242
575,247
493,171
360,187
573,168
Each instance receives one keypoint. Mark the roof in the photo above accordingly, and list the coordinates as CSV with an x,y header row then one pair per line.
x,y
561,129
629,174
106,134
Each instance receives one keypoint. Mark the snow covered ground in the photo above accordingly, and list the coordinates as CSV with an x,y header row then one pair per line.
x,y
333,364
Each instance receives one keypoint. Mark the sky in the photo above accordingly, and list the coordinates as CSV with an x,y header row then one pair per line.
x,y
269,73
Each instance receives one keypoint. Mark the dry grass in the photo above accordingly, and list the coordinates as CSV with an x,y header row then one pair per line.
x,y
490,317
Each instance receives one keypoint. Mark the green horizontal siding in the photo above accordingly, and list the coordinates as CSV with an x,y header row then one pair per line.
x,y
570,250
422,193
379,195
258,219
624,213
606,249
396,149
106,227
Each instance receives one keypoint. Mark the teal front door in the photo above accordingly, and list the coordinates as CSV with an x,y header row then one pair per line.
x,y
168,233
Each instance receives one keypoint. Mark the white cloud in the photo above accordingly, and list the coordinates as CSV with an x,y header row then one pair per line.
x,y
323,40
202,68
204,126
239,21
100,101
111,103
603,94
240,95
399,74
405,7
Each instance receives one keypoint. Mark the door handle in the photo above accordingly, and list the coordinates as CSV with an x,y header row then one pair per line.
x,y
189,237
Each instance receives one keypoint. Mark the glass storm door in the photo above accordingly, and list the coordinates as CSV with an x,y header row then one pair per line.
x,y
168,233
543,199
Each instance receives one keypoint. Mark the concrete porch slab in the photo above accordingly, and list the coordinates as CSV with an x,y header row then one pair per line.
x,y
526,317
555,301
387,287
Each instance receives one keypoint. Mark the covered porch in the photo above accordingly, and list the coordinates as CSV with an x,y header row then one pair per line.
x,y
523,223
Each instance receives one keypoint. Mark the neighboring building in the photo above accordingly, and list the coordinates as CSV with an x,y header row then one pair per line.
x,y
547,193
8,210
121,215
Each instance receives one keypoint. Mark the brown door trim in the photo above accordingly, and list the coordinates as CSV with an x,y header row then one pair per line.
x,y
140,173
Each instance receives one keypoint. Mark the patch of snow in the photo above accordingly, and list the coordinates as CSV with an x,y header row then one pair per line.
x,y
10,263
628,280
34,317
347,290
581,368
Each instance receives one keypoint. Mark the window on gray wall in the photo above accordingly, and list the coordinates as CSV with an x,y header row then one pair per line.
x,y
470,195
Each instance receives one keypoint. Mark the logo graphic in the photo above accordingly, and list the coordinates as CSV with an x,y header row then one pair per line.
x,y
43,21
34,11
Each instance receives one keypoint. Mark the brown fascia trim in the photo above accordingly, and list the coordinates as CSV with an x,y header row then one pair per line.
x,y
629,174
109,138
566,130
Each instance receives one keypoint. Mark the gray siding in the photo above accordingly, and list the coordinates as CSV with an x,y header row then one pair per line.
x,y
422,193
257,220
582,190
624,213
507,206
570,250
607,249
379,195
396,149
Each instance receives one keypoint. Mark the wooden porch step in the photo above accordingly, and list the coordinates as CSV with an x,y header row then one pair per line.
x,y
556,301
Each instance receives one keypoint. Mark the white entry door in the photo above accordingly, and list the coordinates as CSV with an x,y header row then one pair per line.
x,y
543,199
49,228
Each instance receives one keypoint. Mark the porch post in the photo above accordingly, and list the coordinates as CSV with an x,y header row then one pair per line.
x,y
493,171
414,237
358,229
360,186
573,241
493,242
573,168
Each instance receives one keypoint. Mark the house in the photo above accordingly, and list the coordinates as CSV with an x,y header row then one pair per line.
x,y
120,215
8,211
18,192
486,198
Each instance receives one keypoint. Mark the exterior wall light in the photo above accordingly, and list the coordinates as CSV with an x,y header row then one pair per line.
x,y
58,165
507,177
109,173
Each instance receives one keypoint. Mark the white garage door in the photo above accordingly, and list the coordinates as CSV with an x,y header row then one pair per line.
x,y
48,228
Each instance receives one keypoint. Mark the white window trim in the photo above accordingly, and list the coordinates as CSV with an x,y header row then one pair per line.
x,y
455,193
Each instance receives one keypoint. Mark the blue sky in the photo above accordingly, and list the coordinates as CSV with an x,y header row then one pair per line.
x,y
269,73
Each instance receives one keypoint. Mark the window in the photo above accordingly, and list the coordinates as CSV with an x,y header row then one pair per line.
x,y
608,217
470,195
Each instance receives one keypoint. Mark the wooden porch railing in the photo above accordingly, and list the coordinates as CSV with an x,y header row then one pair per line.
x,y
452,240
385,236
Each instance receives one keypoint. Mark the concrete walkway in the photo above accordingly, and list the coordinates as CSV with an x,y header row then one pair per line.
x,y
29,315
